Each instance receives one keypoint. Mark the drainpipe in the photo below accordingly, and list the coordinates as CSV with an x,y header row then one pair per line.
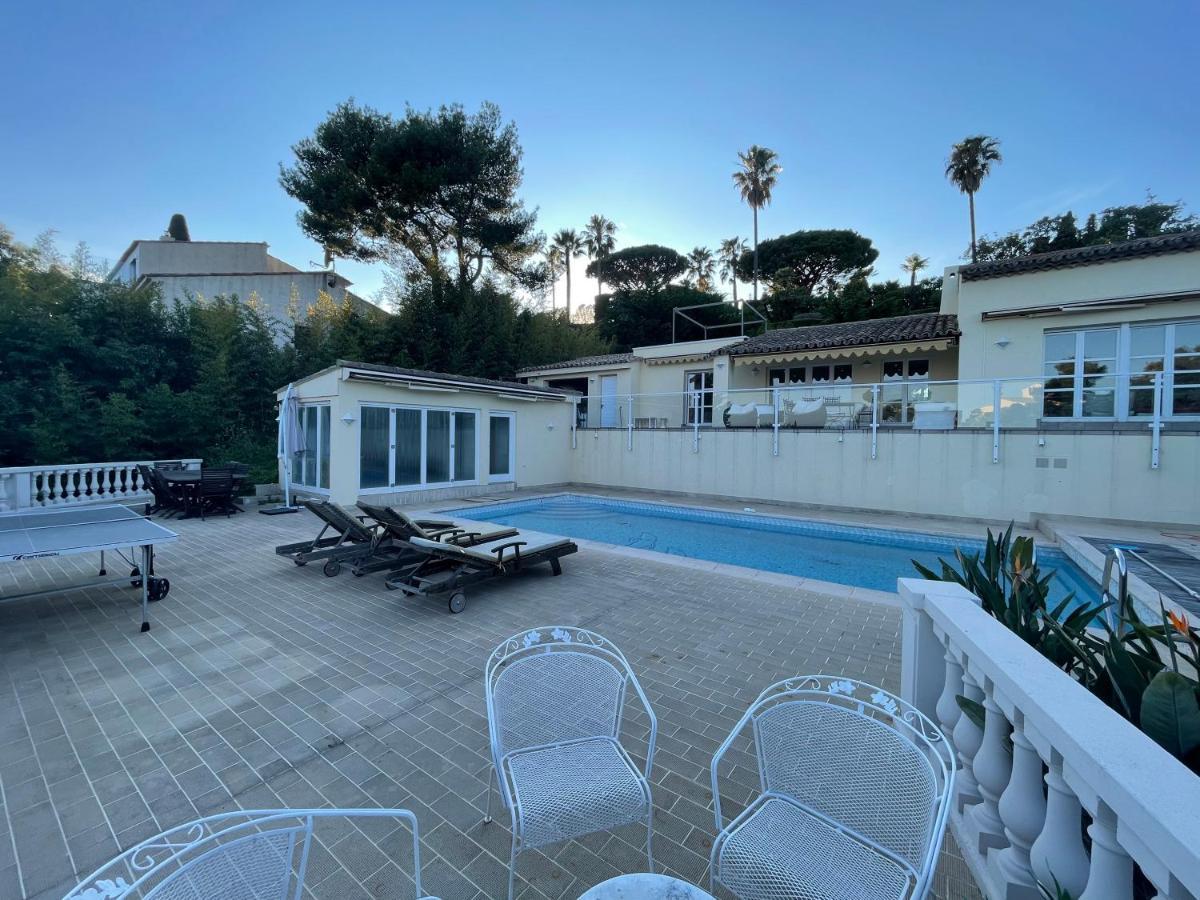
x,y
775,423
874,421
996,421
1156,425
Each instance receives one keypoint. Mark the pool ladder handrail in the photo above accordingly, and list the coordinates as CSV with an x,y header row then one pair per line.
x,y
1117,612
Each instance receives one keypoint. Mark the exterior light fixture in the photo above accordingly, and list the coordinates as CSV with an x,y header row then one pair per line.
x,y
348,418
1002,342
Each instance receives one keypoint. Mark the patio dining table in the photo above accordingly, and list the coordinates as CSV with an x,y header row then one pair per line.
x,y
188,480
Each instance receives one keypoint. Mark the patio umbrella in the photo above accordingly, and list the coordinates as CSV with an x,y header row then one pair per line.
x,y
290,441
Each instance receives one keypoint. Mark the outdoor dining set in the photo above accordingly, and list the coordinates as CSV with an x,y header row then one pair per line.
x,y
826,787
179,491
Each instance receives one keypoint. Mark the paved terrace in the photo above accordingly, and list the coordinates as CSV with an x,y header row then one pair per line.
x,y
266,685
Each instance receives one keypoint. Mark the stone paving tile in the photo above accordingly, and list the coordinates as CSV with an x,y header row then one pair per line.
x,y
262,685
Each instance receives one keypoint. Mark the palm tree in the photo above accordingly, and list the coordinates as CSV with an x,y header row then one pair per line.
x,y
700,268
913,264
599,238
760,170
970,162
730,252
569,245
554,268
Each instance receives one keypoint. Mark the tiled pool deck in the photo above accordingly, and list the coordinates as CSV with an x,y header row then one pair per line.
x,y
266,685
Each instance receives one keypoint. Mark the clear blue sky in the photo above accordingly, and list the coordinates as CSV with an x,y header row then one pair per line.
x,y
119,114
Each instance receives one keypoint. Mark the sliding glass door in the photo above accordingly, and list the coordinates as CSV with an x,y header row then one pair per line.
x,y
411,447
310,467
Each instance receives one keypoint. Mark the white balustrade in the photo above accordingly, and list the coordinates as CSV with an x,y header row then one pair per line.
x,y
47,487
1017,839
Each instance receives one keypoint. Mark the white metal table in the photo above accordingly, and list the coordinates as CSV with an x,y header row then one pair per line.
x,y
645,886
46,533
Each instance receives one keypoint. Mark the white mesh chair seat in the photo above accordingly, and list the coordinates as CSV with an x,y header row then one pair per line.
x,y
556,712
855,791
778,849
573,790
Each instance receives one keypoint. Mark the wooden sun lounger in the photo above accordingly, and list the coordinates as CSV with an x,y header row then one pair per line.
x,y
402,526
449,568
349,541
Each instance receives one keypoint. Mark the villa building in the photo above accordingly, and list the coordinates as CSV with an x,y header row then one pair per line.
x,y
185,270
1059,384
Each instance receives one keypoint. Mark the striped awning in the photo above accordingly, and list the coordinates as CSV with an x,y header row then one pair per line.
x,y
845,352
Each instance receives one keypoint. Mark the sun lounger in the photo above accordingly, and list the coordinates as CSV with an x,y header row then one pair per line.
x,y
349,541
449,568
402,526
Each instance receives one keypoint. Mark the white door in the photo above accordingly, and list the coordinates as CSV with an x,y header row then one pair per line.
x,y
608,401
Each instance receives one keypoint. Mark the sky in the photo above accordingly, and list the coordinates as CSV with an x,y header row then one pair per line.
x,y
120,114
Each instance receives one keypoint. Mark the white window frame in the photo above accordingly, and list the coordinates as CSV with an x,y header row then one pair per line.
x,y
511,475
707,396
1122,372
391,487
315,453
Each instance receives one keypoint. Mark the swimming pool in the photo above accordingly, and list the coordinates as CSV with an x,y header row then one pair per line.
x,y
861,557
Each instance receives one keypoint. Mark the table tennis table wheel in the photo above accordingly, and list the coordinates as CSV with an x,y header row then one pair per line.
x,y
157,589
135,576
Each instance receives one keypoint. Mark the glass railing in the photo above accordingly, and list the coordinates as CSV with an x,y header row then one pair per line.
x,y
1009,403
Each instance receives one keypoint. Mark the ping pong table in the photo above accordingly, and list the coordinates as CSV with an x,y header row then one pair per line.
x,y
42,534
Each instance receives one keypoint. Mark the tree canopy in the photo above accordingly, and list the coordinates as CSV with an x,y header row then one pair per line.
x,y
96,370
646,267
1109,226
638,318
806,262
432,190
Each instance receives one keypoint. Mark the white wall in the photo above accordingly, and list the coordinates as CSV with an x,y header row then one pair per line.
x,y
1107,476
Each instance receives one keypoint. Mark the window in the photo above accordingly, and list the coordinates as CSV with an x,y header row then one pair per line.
x,y
843,372
408,447
778,377
1080,370
918,368
796,375
699,386
893,370
1086,371
310,467
501,446
820,373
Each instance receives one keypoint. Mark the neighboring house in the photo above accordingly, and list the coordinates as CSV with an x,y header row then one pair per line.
x,y
185,270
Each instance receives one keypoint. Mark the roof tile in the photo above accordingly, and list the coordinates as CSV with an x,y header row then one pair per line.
x,y
898,329
1083,256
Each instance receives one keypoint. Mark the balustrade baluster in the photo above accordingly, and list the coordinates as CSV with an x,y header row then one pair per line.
x,y
54,487
1023,811
1058,853
967,739
947,704
1173,891
1110,876
992,767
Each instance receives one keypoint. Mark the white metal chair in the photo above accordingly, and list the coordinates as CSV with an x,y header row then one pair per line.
x,y
854,790
555,705
247,855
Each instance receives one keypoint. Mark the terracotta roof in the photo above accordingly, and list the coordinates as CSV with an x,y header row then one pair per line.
x,y
607,359
899,329
1083,256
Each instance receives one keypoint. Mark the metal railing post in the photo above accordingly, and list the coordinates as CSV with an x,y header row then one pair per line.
x,y
996,421
574,421
696,409
775,422
874,421
630,426
1157,424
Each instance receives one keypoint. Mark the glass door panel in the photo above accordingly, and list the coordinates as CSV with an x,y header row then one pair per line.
x,y
407,470
437,446
500,435
374,446
464,446
323,450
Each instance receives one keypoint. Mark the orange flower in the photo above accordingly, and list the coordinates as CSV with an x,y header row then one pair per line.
x,y
1180,622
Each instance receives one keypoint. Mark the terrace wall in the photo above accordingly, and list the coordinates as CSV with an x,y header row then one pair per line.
x,y
1102,475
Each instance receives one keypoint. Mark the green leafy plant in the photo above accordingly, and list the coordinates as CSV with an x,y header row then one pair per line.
x,y
1148,674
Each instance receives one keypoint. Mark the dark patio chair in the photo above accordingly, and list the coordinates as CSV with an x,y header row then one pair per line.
x,y
164,498
216,492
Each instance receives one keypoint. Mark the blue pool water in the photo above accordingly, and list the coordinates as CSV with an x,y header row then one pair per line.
x,y
862,557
